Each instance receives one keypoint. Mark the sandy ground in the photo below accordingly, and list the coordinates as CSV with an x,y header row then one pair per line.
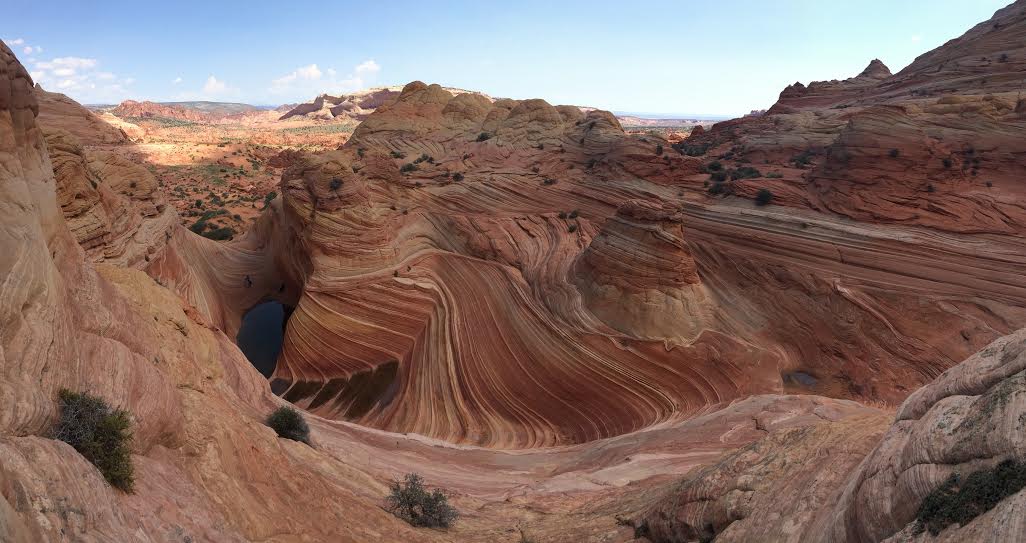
x,y
221,170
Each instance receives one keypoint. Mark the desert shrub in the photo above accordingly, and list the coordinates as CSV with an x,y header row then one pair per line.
x,y
961,500
745,172
457,176
659,149
335,184
763,197
719,176
408,168
549,181
360,151
397,154
930,188
718,188
573,214
484,136
289,423
802,159
571,228
893,153
562,214
714,166
691,149
774,175
410,501
946,162
99,433
219,234
1003,57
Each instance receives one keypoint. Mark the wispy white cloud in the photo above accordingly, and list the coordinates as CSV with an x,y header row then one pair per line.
x,y
15,42
306,73
212,89
368,67
309,80
213,86
176,81
80,78
916,38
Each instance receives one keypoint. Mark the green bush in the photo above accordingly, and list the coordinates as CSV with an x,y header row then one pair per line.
x,y
289,423
408,168
410,501
893,153
714,166
763,197
659,149
99,433
457,176
219,234
961,500
718,176
691,149
397,154
745,172
719,187
484,136
802,159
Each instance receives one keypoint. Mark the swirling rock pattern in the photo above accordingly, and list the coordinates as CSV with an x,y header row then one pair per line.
x,y
113,206
565,265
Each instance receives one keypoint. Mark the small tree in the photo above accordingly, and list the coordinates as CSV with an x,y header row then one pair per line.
x,y
289,423
99,433
410,501
763,197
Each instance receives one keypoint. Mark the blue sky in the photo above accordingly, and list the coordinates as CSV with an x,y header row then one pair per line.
x,y
671,57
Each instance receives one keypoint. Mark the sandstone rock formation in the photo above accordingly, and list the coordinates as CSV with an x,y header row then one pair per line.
x,y
548,316
59,111
934,145
113,207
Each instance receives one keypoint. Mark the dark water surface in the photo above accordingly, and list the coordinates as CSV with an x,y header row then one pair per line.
x,y
261,334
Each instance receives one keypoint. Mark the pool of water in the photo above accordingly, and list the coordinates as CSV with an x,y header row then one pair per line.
x,y
261,334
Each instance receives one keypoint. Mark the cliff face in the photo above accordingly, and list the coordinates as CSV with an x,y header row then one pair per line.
x,y
935,145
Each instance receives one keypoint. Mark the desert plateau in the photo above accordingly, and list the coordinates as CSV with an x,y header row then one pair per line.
x,y
368,309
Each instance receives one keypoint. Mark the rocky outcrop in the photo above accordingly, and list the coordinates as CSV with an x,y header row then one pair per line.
x,y
935,145
771,490
969,419
112,206
58,111
638,275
